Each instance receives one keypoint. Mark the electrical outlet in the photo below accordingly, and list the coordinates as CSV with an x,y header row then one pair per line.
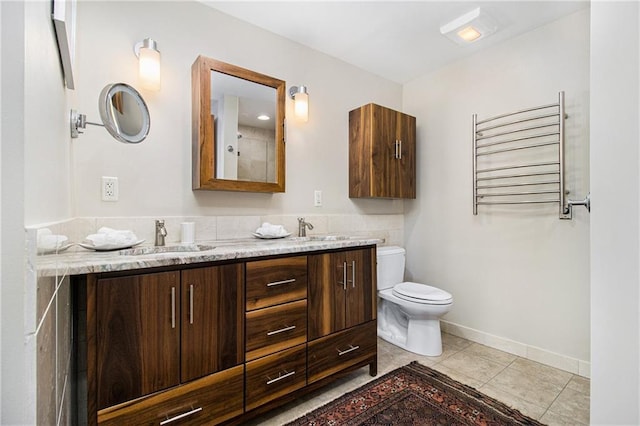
x,y
109,188
317,198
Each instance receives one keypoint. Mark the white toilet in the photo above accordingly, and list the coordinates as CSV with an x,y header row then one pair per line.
x,y
408,313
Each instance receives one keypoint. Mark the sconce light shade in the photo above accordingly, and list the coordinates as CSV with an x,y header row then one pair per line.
x,y
300,98
148,63
470,27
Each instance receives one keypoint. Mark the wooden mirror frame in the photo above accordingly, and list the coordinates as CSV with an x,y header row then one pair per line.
x,y
202,133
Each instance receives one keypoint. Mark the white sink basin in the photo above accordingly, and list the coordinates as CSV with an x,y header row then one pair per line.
x,y
186,248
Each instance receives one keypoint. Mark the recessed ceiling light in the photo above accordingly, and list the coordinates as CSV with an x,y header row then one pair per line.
x,y
264,117
470,27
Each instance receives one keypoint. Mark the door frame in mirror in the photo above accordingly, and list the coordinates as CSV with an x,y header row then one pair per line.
x,y
202,133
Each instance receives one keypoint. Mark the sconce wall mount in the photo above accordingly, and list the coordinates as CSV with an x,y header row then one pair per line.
x,y
148,64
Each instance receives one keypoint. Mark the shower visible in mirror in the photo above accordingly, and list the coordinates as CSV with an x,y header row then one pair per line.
x,y
123,112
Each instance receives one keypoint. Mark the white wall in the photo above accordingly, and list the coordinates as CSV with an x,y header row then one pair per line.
x,y
519,273
160,167
615,183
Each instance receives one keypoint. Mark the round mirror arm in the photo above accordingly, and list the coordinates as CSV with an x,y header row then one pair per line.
x,y
79,121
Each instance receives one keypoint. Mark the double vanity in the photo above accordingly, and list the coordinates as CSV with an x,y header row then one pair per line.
x,y
220,331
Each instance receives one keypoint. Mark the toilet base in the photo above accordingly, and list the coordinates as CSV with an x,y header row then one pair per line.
x,y
423,337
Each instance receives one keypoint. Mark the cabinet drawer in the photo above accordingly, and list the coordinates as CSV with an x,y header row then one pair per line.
x,y
275,375
276,328
274,281
337,351
211,400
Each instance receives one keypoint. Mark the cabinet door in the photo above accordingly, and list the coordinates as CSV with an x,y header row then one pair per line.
x,y
341,291
212,320
138,334
403,173
360,289
384,151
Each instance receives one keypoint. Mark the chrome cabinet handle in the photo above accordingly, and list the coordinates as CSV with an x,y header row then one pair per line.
x,y
280,377
396,147
353,274
281,282
400,151
351,349
282,330
180,416
191,304
344,276
173,307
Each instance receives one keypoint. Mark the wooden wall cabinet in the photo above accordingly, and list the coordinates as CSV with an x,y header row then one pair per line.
x,y
382,153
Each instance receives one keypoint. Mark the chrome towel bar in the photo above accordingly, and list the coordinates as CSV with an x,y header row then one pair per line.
x,y
531,141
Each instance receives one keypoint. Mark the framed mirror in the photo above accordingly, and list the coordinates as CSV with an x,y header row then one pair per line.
x,y
237,128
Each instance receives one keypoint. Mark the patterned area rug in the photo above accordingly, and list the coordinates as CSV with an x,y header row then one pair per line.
x,y
414,395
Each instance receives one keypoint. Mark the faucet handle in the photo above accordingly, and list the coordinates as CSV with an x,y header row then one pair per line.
x,y
300,219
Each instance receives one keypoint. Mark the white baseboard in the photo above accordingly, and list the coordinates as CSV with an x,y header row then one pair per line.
x,y
563,362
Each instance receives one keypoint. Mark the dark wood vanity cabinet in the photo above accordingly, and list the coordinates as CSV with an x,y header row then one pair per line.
x,y
382,153
153,333
223,343
342,311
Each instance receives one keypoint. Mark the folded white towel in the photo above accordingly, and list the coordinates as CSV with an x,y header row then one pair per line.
x,y
108,236
48,241
269,230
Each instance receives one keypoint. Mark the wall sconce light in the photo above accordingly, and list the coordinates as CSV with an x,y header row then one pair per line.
x,y
148,64
300,98
470,27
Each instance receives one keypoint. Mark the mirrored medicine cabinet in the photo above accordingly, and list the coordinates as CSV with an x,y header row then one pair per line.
x,y
237,128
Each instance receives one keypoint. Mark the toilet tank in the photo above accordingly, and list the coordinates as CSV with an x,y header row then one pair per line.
x,y
390,266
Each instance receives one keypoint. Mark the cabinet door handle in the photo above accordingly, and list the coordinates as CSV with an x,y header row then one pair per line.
x,y
180,416
282,330
400,151
281,376
344,276
353,274
396,147
191,304
281,282
173,307
351,349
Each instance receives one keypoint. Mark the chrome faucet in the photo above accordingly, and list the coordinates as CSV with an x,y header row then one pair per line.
x,y
161,232
302,227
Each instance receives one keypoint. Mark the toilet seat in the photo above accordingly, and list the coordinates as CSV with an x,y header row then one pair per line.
x,y
421,293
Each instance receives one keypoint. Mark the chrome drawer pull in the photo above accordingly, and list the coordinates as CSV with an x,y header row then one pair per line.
x,y
280,377
282,330
281,282
191,304
181,416
351,349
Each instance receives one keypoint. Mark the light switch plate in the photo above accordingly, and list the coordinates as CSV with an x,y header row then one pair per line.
x,y
317,198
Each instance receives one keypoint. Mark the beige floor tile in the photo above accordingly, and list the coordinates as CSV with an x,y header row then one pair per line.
x,y
552,419
457,375
494,355
553,375
474,366
525,407
537,390
580,384
454,342
572,404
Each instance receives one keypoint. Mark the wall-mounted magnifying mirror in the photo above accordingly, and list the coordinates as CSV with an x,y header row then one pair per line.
x,y
123,112
238,128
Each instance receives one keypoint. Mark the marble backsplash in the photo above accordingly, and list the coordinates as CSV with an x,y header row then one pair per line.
x,y
389,227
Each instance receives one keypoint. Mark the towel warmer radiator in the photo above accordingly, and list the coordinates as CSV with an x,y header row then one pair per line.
x,y
518,158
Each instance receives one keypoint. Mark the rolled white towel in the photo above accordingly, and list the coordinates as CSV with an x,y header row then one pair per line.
x,y
269,230
108,236
48,241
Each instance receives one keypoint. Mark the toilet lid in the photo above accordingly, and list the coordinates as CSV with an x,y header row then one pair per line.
x,y
421,293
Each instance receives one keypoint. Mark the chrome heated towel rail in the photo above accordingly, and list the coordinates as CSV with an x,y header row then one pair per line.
x,y
518,158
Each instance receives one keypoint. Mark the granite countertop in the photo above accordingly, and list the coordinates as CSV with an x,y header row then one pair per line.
x,y
77,261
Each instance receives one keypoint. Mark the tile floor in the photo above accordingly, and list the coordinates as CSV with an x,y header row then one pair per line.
x,y
552,396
